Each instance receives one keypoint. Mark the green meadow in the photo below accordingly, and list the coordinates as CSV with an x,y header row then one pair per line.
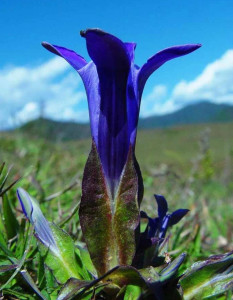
x,y
188,164
192,166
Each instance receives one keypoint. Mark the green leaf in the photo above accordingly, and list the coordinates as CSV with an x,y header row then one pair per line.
x,y
86,259
132,292
5,268
86,295
126,217
126,275
3,182
50,281
82,264
22,238
40,271
96,215
214,287
109,228
2,226
3,245
11,223
1,168
19,295
172,269
63,262
32,284
73,286
19,263
115,279
208,278
148,280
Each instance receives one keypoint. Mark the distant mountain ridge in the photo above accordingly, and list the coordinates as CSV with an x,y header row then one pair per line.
x,y
202,112
56,130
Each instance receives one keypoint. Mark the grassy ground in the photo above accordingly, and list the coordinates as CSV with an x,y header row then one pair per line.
x,y
191,166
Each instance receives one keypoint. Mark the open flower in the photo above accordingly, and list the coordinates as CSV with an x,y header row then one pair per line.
x,y
157,227
114,86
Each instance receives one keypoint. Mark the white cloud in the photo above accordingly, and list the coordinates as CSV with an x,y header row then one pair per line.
x,y
23,89
215,84
155,98
55,84
30,111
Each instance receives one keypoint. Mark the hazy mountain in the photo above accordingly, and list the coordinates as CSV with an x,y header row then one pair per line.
x,y
202,112
56,130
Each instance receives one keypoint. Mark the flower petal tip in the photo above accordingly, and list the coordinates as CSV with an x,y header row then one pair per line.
x,y
98,31
74,59
177,215
196,46
44,44
50,48
191,47
25,202
162,205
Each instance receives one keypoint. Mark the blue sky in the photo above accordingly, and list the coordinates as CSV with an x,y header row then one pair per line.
x,y
30,75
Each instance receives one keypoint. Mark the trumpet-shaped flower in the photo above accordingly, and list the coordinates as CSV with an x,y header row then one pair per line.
x,y
114,86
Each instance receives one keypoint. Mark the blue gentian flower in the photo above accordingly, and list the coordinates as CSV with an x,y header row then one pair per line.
x,y
114,86
157,227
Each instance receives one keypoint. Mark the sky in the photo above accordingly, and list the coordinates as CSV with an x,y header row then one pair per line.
x,y
34,81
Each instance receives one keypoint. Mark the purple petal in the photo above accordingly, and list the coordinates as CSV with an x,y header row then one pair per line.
x,y
34,214
153,225
26,203
75,60
177,215
164,226
131,49
159,59
105,82
133,105
162,206
91,82
106,50
89,75
112,60
132,95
